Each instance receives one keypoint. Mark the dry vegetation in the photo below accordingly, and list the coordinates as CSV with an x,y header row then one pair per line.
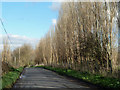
x,y
19,57
24,56
6,56
83,39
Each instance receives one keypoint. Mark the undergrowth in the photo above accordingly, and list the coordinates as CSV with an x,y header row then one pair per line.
x,y
10,78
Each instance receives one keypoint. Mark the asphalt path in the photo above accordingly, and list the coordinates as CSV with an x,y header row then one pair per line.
x,y
43,78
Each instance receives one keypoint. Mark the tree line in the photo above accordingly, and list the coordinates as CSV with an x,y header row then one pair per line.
x,y
84,38
19,57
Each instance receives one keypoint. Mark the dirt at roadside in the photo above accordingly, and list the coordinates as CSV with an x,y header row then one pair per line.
x,y
5,67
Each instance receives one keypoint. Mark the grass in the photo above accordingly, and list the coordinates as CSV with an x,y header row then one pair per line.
x,y
10,78
105,82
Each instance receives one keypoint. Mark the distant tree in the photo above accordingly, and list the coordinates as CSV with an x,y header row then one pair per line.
x,y
24,55
6,52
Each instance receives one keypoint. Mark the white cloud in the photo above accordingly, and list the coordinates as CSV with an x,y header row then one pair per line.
x,y
54,21
55,6
0,35
18,41
15,36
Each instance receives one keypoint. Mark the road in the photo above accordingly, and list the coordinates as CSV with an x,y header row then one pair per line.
x,y
42,78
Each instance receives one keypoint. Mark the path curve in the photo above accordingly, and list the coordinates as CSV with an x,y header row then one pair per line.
x,y
42,78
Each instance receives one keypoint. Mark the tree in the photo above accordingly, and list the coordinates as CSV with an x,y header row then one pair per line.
x,y
83,38
24,55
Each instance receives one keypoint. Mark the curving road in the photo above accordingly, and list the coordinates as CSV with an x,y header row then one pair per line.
x,y
42,78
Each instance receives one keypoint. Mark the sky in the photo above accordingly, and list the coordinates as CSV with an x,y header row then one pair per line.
x,y
28,18
28,21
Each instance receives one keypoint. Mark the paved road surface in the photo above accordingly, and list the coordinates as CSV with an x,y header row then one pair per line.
x,y
42,78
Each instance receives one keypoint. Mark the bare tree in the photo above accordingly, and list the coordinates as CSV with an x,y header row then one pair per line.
x,y
26,57
83,38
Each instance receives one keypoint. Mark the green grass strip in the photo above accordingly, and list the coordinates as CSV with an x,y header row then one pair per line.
x,y
99,80
10,78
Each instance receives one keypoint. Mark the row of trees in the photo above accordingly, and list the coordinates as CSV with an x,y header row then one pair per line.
x,y
21,56
84,38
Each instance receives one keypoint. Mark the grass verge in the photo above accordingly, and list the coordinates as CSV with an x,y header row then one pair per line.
x,y
104,82
10,78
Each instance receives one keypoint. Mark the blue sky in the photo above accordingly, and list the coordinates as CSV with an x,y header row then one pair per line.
x,y
27,18
27,22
